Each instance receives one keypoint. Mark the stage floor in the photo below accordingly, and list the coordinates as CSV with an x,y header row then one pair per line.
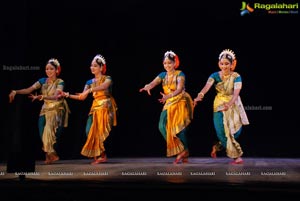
x,y
125,178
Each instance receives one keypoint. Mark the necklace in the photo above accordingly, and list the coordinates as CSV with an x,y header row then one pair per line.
x,y
49,87
225,77
169,81
97,81
50,81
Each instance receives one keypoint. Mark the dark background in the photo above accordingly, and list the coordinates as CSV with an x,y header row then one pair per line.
x,y
133,35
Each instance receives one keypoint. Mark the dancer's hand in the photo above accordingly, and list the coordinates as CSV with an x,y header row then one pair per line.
x,y
35,96
164,98
11,96
146,88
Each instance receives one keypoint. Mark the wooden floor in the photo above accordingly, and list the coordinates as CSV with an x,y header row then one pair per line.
x,y
153,178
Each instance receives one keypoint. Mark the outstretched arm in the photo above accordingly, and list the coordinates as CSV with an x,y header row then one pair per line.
x,y
202,93
151,85
12,94
78,96
40,97
87,89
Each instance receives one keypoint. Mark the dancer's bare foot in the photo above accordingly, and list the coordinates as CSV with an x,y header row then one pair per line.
x,y
51,157
238,160
213,152
48,160
182,156
101,159
54,157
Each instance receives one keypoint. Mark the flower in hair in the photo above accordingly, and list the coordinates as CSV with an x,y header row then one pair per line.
x,y
100,57
100,60
170,53
227,52
54,62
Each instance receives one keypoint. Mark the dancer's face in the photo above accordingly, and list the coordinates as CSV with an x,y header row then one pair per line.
x,y
169,65
225,65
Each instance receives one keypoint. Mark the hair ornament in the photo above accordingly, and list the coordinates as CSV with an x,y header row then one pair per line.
x,y
101,61
101,58
227,52
171,54
54,62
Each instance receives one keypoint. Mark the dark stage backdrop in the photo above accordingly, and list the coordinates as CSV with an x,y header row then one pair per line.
x,y
133,36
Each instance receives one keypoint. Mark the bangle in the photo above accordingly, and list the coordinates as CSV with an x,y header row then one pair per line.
x,y
147,86
42,97
201,94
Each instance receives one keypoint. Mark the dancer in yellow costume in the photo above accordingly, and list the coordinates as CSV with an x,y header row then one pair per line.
x,y
177,112
102,115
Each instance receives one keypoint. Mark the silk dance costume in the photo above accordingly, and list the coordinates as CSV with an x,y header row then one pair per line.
x,y
176,115
101,119
177,112
228,124
103,112
229,114
53,116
